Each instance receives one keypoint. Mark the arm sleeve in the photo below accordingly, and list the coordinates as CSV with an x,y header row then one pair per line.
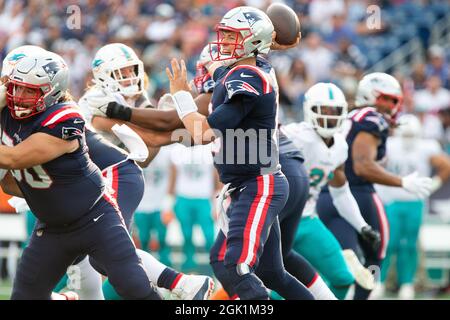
x,y
243,87
346,205
228,115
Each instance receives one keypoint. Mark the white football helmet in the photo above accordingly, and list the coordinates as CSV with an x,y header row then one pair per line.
x,y
15,55
373,85
408,126
325,107
107,65
46,73
255,29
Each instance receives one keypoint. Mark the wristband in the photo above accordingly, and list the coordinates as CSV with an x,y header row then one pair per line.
x,y
117,111
184,103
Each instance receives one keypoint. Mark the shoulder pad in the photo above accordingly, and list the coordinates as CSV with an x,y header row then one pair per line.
x,y
247,80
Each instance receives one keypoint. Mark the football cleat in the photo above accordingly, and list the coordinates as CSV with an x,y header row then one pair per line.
x,y
193,287
362,275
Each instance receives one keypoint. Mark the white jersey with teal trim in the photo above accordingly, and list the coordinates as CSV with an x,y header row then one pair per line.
x,y
195,171
403,157
156,177
320,160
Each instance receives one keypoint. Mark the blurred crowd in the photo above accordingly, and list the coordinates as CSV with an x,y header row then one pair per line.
x,y
338,45
341,40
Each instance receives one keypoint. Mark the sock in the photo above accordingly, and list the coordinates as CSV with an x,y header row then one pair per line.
x,y
109,292
61,284
169,278
85,281
320,290
152,267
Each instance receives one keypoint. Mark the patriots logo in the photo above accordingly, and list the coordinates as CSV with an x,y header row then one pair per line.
x,y
252,17
70,132
52,69
234,86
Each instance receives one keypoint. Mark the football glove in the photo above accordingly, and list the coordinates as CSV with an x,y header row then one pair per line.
x,y
371,237
98,101
419,186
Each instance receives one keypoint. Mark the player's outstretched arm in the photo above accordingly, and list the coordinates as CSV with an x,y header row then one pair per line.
x,y
364,151
154,119
194,122
37,149
348,208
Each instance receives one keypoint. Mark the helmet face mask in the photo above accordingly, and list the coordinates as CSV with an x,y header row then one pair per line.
x,y
325,108
128,80
229,44
326,119
382,91
388,104
117,68
36,83
243,32
25,100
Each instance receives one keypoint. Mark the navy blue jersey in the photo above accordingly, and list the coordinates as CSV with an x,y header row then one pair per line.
x,y
102,152
64,189
365,120
244,110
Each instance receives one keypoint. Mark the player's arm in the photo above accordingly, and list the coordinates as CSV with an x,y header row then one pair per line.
x,y
156,139
348,208
37,149
226,116
364,153
104,124
9,186
155,119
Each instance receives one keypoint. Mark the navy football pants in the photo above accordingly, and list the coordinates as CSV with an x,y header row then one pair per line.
x,y
103,237
254,229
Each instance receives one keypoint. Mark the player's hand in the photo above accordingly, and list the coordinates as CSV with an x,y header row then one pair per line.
x,y
98,102
419,186
371,237
276,46
178,76
166,102
2,96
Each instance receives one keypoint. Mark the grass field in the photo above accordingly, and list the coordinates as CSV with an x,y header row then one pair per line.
x,y
6,286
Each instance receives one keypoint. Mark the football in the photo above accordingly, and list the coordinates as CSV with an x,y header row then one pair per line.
x,y
285,22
